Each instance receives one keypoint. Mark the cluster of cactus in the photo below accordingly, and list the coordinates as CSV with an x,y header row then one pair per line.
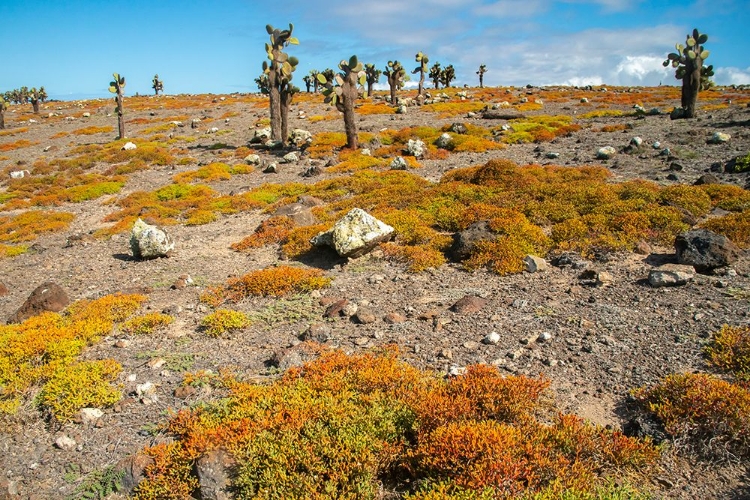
x,y
688,63
372,75
434,75
280,72
342,91
24,95
422,59
314,77
157,84
481,72
447,75
117,87
395,73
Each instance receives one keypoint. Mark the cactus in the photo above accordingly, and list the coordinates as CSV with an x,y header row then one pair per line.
x,y
3,107
688,64
157,84
42,94
422,59
372,75
314,75
116,86
279,72
33,98
342,90
434,75
262,83
447,75
308,82
395,73
706,73
481,72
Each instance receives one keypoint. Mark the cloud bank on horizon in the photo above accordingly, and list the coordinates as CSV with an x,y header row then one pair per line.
x,y
219,48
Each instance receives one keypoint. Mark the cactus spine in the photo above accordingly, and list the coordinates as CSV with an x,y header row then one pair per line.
x,y
279,72
481,72
688,64
395,73
157,84
342,91
116,87
422,59
434,75
372,75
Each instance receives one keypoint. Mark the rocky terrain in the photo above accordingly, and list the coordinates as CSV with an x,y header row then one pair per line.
x,y
594,326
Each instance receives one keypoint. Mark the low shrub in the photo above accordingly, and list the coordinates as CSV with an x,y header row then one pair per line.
x,y
274,282
146,324
729,351
223,321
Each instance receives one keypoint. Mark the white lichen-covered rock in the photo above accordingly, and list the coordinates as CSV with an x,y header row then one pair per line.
x,y
416,148
354,234
129,146
290,157
670,275
720,138
444,141
606,153
252,159
300,137
148,242
399,163
261,135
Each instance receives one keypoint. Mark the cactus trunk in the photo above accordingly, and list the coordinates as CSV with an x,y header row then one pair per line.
x,y
120,117
691,84
2,118
35,106
350,95
285,102
274,95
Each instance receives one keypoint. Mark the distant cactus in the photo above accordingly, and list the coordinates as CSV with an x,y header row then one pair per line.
x,y
434,75
372,75
279,72
42,94
314,76
395,73
3,107
688,61
308,82
447,75
116,87
157,84
706,73
262,83
422,59
33,98
481,72
342,90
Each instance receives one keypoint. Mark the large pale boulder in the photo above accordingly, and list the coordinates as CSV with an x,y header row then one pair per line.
x,y
354,234
149,242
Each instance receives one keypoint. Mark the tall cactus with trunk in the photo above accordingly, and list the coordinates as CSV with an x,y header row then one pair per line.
x,y
434,75
395,73
481,72
422,59
688,64
33,97
342,91
3,107
372,75
314,76
157,85
447,76
117,87
279,72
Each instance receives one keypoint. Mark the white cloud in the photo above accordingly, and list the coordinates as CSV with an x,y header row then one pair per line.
x,y
731,75
512,8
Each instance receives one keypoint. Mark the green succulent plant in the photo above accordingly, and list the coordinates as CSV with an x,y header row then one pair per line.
x,y
157,84
688,63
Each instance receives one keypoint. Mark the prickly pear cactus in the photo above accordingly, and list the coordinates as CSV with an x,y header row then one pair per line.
x,y
117,87
279,70
435,72
688,63
395,73
157,84
342,91
481,72
3,107
372,75
422,59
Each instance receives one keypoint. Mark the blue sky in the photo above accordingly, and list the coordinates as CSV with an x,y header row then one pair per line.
x,y
72,47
